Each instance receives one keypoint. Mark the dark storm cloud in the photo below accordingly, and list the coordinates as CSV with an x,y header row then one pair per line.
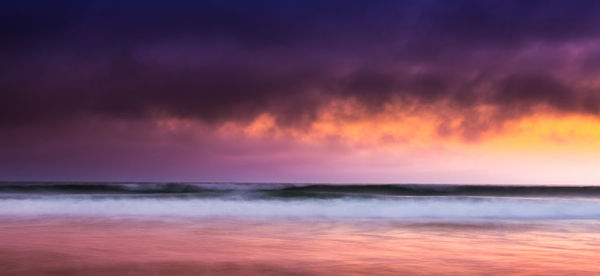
x,y
232,60
592,63
531,89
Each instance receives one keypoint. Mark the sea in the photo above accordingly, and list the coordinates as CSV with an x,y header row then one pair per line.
x,y
76,228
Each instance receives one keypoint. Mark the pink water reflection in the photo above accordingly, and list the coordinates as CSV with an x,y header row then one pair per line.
x,y
263,247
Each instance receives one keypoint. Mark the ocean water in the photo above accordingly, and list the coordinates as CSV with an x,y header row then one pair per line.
x,y
298,229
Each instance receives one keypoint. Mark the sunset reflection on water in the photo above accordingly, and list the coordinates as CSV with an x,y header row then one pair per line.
x,y
76,245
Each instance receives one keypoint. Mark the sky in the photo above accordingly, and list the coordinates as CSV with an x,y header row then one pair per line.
x,y
488,92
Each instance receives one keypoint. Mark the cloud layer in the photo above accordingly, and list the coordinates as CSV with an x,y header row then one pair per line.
x,y
234,60
385,91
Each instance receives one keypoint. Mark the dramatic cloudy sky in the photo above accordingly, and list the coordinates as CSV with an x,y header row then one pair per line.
x,y
301,91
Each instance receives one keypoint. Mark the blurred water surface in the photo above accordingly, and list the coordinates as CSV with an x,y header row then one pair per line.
x,y
294,229
236,246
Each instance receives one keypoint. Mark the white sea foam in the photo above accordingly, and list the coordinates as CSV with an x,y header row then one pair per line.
x,y
398,208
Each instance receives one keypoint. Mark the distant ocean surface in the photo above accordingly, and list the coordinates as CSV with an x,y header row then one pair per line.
x,y
304,229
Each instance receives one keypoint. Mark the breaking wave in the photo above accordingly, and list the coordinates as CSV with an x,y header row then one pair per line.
x,y
450,202
301,201
298,190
